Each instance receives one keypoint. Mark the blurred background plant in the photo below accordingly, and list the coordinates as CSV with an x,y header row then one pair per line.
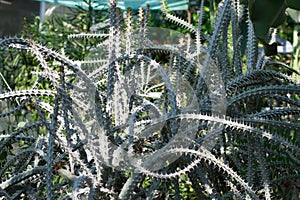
x,y
54,30
19,69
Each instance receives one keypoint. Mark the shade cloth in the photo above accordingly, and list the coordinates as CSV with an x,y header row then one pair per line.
x,y
123,4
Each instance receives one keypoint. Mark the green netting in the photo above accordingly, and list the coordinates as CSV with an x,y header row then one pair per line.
x,y
123,4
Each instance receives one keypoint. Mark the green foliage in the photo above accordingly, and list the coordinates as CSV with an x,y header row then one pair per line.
x,y
267,14
208,117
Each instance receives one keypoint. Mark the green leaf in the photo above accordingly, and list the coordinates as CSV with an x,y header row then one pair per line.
x,y
261,30
244,2
295,4
266,14
21,124
295,14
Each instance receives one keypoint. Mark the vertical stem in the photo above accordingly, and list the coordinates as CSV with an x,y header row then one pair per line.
x,y
42,12
189,16
296,45
212,13
89,15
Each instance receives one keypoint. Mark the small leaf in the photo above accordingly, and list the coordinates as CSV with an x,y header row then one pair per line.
x,y
21,124
295,14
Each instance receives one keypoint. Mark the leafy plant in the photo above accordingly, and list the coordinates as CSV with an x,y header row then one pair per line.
x,y
267,15
207,122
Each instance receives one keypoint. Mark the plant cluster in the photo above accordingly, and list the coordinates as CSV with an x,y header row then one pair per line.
x,y
206,118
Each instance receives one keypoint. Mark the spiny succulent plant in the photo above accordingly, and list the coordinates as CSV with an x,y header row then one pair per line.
x,y
208,122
